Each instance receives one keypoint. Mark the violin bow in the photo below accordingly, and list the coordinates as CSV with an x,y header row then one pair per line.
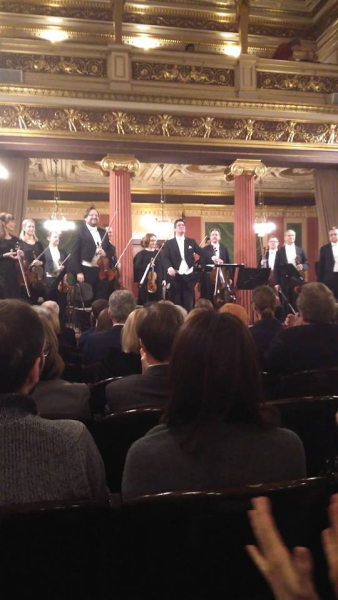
x,y
201,242
124,250
37,258
22,271
110,224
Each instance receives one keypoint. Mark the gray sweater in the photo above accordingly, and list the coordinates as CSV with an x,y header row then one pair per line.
x,y
235,455
43,460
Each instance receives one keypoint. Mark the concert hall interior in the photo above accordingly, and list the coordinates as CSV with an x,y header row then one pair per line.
x,y
184,120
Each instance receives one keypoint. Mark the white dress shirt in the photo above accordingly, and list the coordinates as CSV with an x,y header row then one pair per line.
x,y
216,250
184,269
97,239
272,258
335,257
55,252
291,254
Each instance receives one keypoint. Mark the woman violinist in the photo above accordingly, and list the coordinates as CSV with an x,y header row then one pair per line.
x,y
33,249
53,269
9,252
151,288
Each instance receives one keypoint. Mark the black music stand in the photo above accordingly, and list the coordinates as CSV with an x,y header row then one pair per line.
x,y
250,278
291,276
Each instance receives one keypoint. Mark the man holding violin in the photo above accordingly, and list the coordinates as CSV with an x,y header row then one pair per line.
x,y
90,246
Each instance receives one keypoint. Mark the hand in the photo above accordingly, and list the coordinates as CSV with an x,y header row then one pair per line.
x,y
37,263
20,253
10,255
330,542
164,283
80,277
216,260
299,267
101,252
292,320
289,575
171,272
277,288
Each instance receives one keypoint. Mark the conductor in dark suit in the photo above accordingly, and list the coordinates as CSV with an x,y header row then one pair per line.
x,y
289,254
87,248
328,262
178,260
156,330
217,254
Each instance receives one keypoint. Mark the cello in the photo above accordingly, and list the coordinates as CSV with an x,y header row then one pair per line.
x,y
223,291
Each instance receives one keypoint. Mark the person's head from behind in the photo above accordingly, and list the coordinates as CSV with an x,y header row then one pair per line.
x,y
53,364
130,340
51,305
214,374
265,301
121,304
316,303
97,307
22,342
295,42
51,315
236,310
204,303
104,321
157,330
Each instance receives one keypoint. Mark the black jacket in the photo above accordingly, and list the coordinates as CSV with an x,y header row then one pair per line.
x,y
49,265
150,389
83,248
172,256
208,252
282,260
326,263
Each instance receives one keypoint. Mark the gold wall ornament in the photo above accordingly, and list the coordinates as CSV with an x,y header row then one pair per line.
x,y
252,168
143,71
54,65
97,11
182,21
297,83
98,122
120,162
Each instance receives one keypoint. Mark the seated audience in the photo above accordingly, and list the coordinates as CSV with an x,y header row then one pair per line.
x,y
66,335
121,363
285,50
130,338
311,340
97,307
98,345
104,321
40,460
267,326
156,331
215,430
204,303
53,395
237,311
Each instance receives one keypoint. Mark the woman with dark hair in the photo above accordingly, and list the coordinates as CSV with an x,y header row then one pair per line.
x,y
141,261
215,431
266,328
9,245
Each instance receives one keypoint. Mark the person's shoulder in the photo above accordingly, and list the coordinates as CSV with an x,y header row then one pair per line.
x,y
124,382
69,431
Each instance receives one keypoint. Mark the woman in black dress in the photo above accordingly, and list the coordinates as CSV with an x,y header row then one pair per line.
x,y
141,261
32,249
9,244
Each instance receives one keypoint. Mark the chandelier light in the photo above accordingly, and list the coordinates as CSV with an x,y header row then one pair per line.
x,y
163,227
4,173
57,221
262,227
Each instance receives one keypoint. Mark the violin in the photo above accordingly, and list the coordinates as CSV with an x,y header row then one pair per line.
x,y
22,267
151,278
64,286
223,292
36,275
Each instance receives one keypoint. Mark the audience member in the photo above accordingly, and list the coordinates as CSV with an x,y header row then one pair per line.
x,y
314,343
215,431
66,341
237,311
204,303
285,50
130,337
104,322
156,330
267,326
53,395
98,345
40,460
97,307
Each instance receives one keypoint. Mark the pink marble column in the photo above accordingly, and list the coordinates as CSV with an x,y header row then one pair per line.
x,y
120,169
244,235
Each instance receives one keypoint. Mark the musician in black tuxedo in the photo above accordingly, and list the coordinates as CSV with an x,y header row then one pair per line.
x,y
54,272
214,253
87,248
267,259
289,254
178,261
328,262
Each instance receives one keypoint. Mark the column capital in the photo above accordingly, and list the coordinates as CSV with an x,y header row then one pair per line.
x,y
253,168
120,162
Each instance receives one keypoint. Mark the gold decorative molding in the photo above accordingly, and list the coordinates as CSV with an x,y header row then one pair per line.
x,y
97,11
249,167
54,65
296,83
120,162
175,20
42,120
171,73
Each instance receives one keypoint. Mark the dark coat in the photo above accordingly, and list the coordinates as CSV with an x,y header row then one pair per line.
x,y
263,332
208,253
49,265
98,344
326,263
150,389
172,256
282,260
83,248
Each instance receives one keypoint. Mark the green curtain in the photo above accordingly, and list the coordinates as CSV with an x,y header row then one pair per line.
x,y
227,237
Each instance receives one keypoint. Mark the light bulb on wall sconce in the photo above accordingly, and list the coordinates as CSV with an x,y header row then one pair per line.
x,y
145,43
232,50
54,35
4,173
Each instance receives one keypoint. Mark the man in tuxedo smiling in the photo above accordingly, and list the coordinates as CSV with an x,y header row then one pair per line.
x,y
87,249
178,254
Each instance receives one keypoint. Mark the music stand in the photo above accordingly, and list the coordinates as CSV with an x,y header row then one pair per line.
x,y
291,276
250,278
